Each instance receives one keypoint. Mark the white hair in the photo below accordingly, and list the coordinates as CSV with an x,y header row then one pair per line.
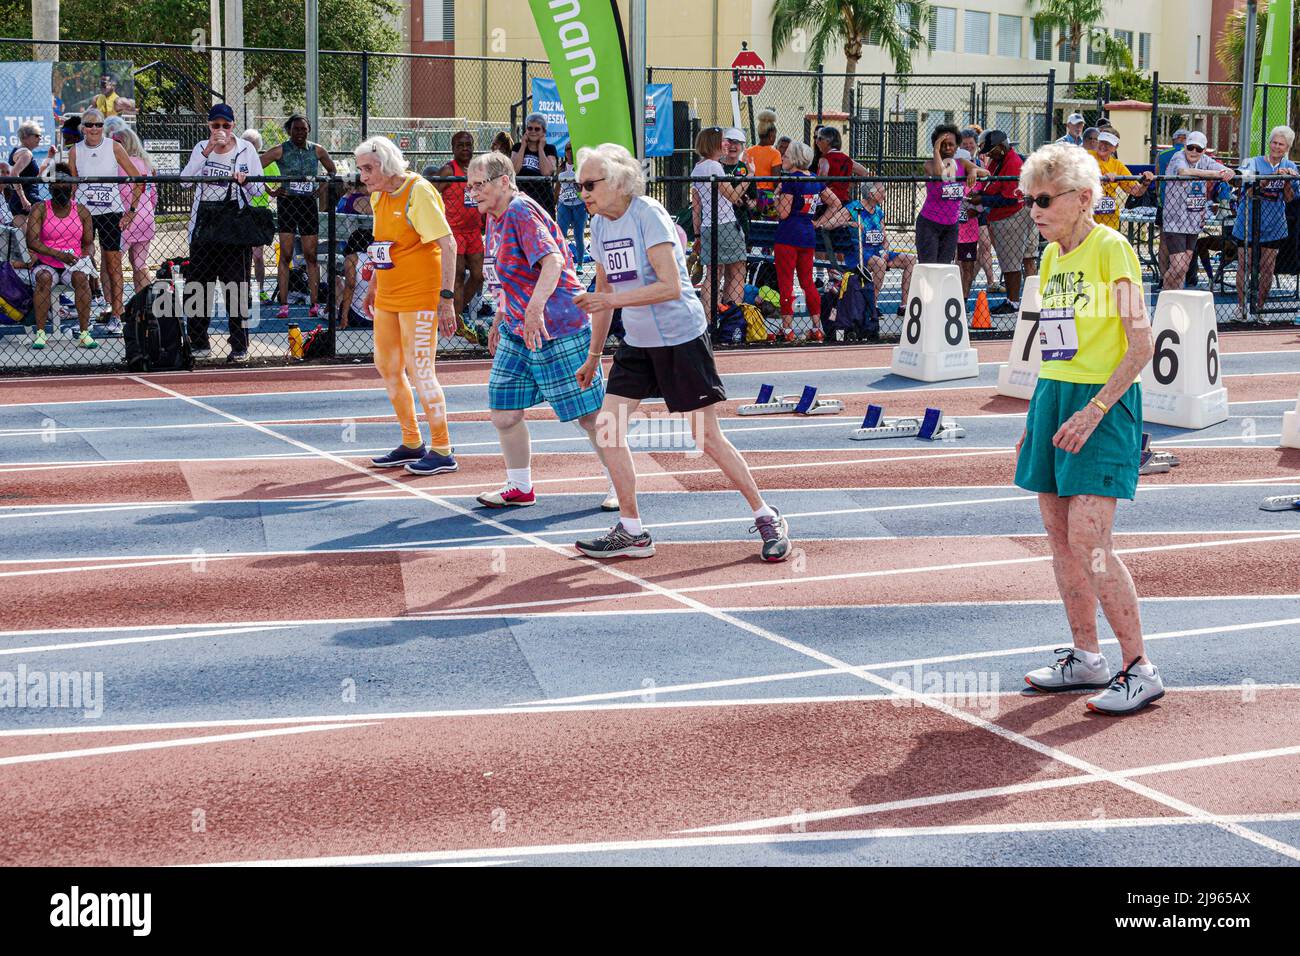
x,y
88,113
492,165
132,145
1287,133
29,129
252,136
114,125
800,154
537,118
1062,167
391,160
621,170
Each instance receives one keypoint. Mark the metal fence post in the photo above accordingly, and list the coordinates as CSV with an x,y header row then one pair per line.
x,y
1263,126
1049,128
880,130
1155,116
821,83
713,251
365,113
523,92
331,245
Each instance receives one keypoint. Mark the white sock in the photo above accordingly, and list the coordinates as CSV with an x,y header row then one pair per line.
x,y
1089,658
1146,668
521,478
632,525
764,512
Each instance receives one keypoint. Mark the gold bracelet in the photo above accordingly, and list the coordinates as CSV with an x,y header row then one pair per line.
x,y
1098,402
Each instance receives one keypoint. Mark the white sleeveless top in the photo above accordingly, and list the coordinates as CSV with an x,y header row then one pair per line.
x,y
98,198
358,304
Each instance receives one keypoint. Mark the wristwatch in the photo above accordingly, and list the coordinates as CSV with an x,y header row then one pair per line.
x,y
447,294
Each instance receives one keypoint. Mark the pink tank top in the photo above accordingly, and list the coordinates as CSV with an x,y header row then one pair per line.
x,y
62,234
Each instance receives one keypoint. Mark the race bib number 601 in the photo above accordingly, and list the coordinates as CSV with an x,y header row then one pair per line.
x,y
620,266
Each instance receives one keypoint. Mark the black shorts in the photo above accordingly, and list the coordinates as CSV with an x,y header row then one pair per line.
x,y
684,376
108,230
968,251
298,215
1248,245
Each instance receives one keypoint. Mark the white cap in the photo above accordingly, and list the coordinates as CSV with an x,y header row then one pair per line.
x,y
1074,118
1196,139
962,154
1180,132
734,133
1106,136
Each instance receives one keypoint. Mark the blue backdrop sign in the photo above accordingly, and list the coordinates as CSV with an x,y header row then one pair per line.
x,y
658,116
25,95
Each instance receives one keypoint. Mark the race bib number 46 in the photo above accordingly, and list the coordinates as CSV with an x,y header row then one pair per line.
x,y
619,263
1058,336
381,254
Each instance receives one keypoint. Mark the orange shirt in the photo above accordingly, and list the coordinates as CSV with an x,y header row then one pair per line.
x,y
412,219
763,161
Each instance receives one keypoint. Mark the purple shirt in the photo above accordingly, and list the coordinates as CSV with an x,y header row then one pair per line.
x,y
943,199
516,243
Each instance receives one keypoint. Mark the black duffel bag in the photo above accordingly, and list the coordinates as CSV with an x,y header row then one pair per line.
x,y
227,222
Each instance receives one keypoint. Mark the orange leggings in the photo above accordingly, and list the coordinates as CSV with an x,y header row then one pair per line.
x,y
407,342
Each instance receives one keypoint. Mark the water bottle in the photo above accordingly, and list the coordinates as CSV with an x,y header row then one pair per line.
x,y
295,341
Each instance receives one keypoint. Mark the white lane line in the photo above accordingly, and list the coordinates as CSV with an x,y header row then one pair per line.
x,y
914,662
165,744
840,813
758,839
147,639
678,596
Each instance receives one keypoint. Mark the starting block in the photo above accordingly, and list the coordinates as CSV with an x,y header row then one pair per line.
x,y
1155,462
932,427
805,404
1281,503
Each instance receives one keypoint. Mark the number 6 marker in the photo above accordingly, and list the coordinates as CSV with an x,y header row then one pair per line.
x,y
1180,385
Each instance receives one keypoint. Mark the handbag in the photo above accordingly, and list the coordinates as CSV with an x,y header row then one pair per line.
x,y
228,222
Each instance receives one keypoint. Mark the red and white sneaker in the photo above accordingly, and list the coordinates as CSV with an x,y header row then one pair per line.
x,y
283,313
788,335
507,497
816,336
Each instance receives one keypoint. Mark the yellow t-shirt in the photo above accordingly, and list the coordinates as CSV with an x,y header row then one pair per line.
x,y
1081,284
412,219
106,104
1116,193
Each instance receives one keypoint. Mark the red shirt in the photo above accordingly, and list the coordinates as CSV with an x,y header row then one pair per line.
x,y
838,164
462,212
1010,166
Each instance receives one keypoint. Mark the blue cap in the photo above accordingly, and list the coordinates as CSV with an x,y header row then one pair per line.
x,y
221,111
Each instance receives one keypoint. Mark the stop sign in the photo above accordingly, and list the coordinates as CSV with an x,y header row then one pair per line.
x,y
749,66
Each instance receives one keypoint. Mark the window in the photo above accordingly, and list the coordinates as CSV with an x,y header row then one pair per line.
x,y
1042,41
1144,51
1068,53
943,29
904,20
1096,43
1125,37
1008,36
439,20
977,33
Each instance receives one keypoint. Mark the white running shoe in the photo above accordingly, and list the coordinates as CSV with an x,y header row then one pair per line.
x,y
1069,673
1129,692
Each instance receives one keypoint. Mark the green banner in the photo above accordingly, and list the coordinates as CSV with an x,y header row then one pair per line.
x,y
1274,67
584,42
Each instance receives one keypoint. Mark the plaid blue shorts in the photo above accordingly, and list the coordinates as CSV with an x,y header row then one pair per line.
x,y
522,378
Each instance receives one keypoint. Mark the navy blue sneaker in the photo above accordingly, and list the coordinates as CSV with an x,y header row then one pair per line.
x,y
399,456
432,464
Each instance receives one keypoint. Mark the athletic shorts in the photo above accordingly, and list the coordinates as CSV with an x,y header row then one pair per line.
x,y
1178,242
468,243
1015,239
968,251
521,378
1107,465
684,376
731,244
1247,244
298,215
889,255
108,230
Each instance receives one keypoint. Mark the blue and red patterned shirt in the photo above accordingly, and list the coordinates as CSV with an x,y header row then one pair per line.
x,y
516,243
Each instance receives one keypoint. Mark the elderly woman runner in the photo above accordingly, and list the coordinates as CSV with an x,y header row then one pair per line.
x,y
641,269
1083,435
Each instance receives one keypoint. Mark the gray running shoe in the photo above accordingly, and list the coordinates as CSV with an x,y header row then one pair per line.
x,y
775,533
1128,692
1069,673
619,542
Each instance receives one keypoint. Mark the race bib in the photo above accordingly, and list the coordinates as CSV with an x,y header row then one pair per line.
x,y
874,237
963,216
490,277
470,201
97,194
953,190
381,254
1105,205
302,189
531,161
620,264
1195,203
1058,336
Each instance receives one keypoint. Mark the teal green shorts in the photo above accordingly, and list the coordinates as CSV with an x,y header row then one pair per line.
x,y
1107,465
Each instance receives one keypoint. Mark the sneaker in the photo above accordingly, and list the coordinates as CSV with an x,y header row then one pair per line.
x,y
201,353
1128,693
266,295
283,313
113,326
619,542
1069,673
788,335
39,341
400,456
314,312
775,534
507,497
237,358
465,332
86,342
610,503
1006,308
432,464
816,335
996,287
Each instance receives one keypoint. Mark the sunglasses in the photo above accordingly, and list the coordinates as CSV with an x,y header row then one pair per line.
x,y
1194,149
217,126
589,185
92,125
1043,201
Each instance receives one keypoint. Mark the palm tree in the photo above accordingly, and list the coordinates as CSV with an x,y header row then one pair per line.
x,y
895,24
1073,18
